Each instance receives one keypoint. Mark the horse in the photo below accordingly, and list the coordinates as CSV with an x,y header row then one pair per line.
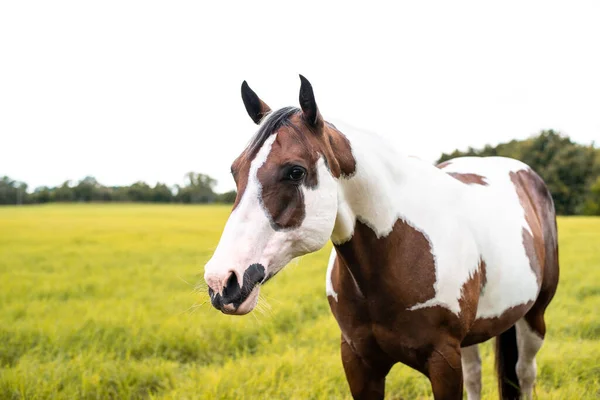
x,y
427,260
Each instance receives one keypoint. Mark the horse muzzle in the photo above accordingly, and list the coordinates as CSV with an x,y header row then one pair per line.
x,y
230,296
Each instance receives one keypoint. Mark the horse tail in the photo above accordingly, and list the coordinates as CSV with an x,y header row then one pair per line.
x,y
507,354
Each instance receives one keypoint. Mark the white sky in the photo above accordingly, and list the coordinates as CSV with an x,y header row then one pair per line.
x,y
145,90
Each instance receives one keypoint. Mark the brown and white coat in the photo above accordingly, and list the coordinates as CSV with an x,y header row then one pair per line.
x,y
428,261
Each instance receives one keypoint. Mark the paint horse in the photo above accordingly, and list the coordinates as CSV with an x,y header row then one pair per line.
x,y
427,261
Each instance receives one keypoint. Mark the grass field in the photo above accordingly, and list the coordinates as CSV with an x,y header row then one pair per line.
x,y
95,303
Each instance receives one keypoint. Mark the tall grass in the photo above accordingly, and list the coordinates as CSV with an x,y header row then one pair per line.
x,y
99,302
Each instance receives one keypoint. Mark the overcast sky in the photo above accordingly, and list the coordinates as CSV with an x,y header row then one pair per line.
x,y
144,90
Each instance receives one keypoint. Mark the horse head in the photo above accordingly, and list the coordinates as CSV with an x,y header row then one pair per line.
x,y
287,198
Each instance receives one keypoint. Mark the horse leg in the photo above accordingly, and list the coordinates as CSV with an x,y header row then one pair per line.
x,y
529,342
531,329
366,381
445,372
471,366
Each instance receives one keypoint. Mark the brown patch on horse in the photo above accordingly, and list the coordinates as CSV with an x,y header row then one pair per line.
x,y
466,178
407,254
284,200
534,253
486,328
542,245
401,266
469,299
469,179
240,170
340,147
483,274
531,201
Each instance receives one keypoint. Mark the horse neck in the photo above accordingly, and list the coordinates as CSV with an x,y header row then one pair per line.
x,y
388,186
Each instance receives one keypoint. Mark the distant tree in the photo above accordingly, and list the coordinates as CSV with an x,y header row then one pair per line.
x,y
63,193
591,205
87,189
199,188
7,191
103,194
161,193
12,192
119,193
227,197
140,192
42,194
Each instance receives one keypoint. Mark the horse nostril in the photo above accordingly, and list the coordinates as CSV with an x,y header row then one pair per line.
x,y
215,299
231,291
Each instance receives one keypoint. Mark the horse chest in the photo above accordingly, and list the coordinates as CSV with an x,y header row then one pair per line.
x,y
377,319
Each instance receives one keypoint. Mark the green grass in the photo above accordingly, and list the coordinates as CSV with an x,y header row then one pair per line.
x,y
94,304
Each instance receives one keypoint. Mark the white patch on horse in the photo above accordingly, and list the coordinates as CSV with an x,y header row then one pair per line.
x,y
471,367
463,223
329,290
497,220
528,344
495,171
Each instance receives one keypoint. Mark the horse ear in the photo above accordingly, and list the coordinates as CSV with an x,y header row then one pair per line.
x,y
256,108
308,104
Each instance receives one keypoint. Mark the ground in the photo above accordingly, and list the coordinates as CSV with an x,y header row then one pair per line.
x,y
95,303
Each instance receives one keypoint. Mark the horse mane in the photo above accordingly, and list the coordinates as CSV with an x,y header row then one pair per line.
x,y
271,123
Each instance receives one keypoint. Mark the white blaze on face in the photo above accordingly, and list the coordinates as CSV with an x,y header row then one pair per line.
x,y
247,229
249,237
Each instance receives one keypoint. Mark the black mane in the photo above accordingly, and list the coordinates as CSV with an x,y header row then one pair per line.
x,y
273,121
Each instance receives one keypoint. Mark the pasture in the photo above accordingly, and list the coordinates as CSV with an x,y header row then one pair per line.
x,y
98,302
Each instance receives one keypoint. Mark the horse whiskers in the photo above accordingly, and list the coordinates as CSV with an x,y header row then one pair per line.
x,y
294,263
184,281
200,290
196,306
193,308
259,310
270,298
263,306
200,287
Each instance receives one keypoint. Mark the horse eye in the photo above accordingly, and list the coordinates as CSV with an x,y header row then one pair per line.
x,y
296,174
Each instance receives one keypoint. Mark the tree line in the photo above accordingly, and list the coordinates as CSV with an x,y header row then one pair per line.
x,y
571,171
198,188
